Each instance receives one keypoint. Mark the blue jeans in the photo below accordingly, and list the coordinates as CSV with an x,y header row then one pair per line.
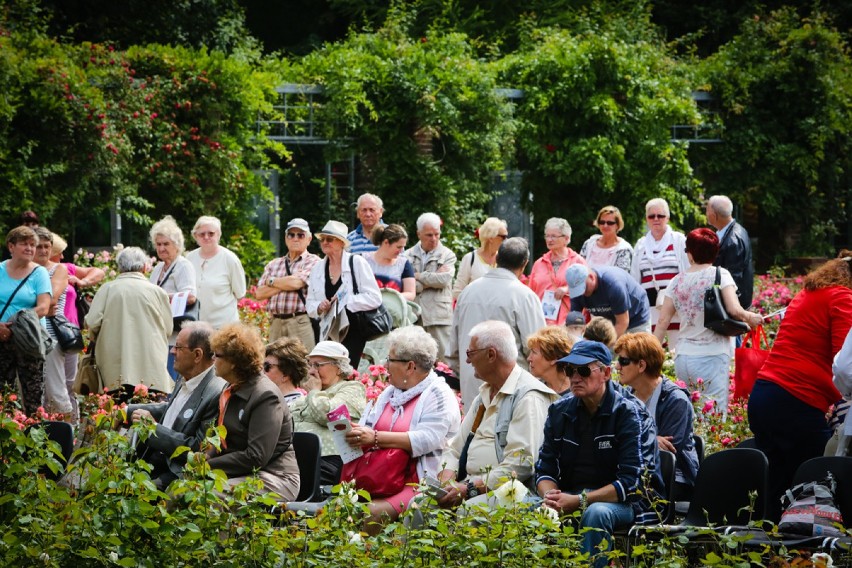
x,y
605,517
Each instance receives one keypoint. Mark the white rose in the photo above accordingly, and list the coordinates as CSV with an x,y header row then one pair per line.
x,y
511,492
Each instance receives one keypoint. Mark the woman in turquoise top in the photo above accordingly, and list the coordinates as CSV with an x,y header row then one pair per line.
x,y
23,285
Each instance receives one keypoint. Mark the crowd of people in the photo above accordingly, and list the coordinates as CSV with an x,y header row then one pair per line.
x,y
534,356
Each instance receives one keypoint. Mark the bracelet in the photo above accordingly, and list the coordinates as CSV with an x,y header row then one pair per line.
x,y
584,501
376,440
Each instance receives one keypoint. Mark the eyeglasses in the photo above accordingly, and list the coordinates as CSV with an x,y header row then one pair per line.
x,y
297,235
625,361
585,371
553,237
267,366
392,360
206,234
327,239
610,223
470,352
503,237
320,364
179,347
657,216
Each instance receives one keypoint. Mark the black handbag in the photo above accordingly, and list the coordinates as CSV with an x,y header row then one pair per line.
x,y
67,333
83,304
716,316
369,324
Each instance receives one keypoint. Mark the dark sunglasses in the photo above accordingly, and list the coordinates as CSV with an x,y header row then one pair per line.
x,y
267,366
657,216
296,235
625,361
602,222
585,371
503,237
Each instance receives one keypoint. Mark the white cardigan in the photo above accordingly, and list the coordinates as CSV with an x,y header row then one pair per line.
x,y
368,297
436,420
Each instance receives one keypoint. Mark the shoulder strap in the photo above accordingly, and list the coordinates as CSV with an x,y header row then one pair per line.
x,y
300,292
718,277
352,270
169,273
472,257
504,418
12,297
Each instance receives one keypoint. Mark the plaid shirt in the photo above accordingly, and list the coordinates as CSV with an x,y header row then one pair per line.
x,y
288,302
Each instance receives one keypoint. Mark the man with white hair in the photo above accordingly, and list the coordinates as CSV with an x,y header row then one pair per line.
x,y
734,246
434,266
369,210
502,432
498,295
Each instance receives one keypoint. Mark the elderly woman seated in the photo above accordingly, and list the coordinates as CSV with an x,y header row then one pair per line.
x,y
640,364
328,388
260,431
547,346
286,365
417,413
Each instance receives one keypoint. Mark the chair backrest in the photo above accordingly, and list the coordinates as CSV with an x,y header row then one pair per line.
x,y
667,468
815,469
63,434
698,441
748,443
308,454
722,488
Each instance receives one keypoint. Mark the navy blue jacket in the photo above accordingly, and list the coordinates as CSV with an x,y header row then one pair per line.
x,y
626,441
674,417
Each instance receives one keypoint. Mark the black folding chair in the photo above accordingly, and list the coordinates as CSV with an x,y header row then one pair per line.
x,y
308,454
63,434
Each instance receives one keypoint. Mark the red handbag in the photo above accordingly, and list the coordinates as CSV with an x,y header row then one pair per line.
x,y
747,362
383,472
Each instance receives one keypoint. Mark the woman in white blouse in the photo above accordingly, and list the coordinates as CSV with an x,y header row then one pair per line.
x,y
219,274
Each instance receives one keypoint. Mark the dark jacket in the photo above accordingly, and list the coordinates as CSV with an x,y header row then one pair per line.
x,y
674,416
626,447
198,413
735,255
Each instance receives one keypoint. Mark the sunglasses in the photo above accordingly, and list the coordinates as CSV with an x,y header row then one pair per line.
x,y
610,223
503,237
206,234
657,216
327,239
267,366
296,235
625,361
585,371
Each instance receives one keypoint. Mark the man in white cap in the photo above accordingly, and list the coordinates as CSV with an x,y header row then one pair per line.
x,y
612,293
285,284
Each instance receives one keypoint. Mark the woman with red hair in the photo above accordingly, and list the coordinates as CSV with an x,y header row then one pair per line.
x,y
701,352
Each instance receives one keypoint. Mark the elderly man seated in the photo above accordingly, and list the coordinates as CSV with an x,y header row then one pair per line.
x,y
501,434
191,409
597,446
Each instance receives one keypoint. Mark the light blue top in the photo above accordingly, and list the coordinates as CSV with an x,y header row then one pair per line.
x,y
27,296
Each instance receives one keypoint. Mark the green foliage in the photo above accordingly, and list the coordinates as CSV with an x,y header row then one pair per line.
x,y
785,93
595,125
423,114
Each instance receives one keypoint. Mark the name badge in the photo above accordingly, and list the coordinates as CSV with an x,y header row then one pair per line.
x,y
240,415
187,414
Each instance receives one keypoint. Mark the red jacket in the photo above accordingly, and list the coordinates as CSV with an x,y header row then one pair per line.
x,y
811,334
543,278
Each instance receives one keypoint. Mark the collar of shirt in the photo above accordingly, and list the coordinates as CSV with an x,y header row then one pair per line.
x,y
193,383
721,232
508,388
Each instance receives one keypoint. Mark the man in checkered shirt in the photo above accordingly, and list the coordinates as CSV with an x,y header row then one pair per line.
x,y
285,284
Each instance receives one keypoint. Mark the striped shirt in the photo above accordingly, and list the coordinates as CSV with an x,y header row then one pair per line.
x,y
358,243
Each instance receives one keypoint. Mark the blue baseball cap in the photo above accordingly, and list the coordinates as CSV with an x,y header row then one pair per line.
x,y
575,277
575,318
586,351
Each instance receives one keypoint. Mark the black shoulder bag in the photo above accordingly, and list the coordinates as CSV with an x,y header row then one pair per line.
x,y
369,324
716,316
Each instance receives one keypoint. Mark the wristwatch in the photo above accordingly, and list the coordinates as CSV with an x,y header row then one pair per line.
x,y
472,490
270,281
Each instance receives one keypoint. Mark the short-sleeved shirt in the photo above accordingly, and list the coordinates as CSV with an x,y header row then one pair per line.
x,y
27,297
390,276
289,301
687,293
617,292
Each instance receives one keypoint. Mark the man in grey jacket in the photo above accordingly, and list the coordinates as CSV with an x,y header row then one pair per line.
x,y
192,407
434,267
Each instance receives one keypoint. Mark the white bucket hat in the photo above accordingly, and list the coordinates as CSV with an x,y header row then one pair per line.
x,y
337,230
332,350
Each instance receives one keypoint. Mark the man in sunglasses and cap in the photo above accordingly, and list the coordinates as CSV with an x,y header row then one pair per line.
x,y
598,445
